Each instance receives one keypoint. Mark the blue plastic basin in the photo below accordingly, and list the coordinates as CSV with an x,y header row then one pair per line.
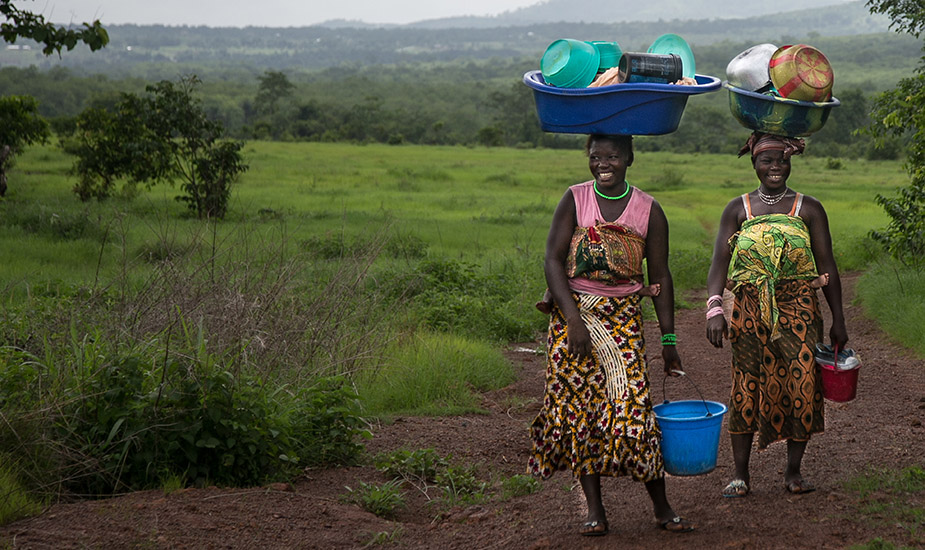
x,y
643,108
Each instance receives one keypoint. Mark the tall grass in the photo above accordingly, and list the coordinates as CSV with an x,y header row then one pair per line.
x,y
433,373
892,294
15,501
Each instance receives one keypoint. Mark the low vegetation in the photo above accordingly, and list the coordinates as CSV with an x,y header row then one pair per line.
x,y
891,499
143,348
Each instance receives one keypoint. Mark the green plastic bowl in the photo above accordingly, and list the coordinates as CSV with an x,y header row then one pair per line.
x,y
570,63
610,53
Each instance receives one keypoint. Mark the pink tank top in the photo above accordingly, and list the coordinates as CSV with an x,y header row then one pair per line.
x,y
588,214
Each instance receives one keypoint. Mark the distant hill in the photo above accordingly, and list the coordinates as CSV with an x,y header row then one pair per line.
x,y
184,48
614,11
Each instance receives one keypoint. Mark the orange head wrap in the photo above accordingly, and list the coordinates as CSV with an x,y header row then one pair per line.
x,y
758,142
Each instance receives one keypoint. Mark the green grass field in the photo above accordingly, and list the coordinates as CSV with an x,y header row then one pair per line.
x,y
479,205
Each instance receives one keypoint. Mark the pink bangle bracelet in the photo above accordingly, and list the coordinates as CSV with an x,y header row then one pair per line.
x,y
715,298
714,311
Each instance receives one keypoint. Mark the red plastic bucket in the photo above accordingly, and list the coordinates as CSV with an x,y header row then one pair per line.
x,y
839,385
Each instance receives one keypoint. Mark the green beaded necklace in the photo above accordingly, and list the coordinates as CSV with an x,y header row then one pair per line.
x,y
623,194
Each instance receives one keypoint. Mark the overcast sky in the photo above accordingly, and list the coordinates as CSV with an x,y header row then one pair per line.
x,y
261,13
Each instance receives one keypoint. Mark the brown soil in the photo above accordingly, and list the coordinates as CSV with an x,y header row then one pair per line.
x,y
881,428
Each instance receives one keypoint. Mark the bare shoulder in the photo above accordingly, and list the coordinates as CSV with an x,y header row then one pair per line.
x,y
734,211
811,208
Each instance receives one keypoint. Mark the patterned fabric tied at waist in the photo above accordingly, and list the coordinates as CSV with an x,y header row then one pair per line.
x,y
609,252
766,250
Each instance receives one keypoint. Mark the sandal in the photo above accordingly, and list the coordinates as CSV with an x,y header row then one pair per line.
x,y
677,524
799,486
737,488
594,529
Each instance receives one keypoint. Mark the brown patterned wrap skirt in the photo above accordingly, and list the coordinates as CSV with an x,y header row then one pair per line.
x,y
776,390
597,417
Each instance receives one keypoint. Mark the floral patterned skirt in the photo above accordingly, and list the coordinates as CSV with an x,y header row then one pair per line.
x,y
776,390
597,417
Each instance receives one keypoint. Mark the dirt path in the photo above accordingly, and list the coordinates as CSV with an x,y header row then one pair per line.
x,y
883,427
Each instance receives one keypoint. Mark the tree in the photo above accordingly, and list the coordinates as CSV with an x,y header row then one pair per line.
x,y
25,24
164,136
20,125
272,106
274,86
898,112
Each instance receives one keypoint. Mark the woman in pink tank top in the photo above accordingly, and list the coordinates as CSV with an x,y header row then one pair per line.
x,y
597,417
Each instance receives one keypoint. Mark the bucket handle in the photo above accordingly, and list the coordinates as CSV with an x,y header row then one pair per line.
x,y
684,375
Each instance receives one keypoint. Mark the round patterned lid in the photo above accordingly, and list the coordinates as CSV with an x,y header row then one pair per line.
x,y
801,72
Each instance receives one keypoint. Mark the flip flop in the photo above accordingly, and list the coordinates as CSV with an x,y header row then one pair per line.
x,y
799,487
677,524
737,488
594,529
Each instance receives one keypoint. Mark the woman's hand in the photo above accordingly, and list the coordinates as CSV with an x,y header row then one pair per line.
x,y
579,339
717,330
838,335
672,360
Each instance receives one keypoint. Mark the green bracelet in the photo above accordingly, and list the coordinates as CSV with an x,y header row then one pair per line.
x,y
669,339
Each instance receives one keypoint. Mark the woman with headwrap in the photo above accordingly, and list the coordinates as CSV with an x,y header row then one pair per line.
x,y
597,417
773,244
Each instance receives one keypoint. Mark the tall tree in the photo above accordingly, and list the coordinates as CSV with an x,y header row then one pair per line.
x,y
899,112
25,24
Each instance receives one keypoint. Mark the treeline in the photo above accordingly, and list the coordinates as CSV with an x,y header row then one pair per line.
x,y
474,102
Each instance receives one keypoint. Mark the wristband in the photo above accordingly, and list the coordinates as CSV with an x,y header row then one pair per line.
x,y
714,311
669,339
715,298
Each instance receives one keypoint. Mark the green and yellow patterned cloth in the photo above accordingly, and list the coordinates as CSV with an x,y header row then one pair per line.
x,y
769,249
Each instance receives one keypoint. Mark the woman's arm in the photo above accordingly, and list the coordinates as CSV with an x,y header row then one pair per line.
x,y
719,267
817,222
659,273
564,221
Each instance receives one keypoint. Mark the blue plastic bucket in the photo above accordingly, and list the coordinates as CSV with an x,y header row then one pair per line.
x,y
690,435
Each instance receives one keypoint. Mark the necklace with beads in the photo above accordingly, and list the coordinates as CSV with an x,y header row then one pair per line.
x,y
618,197
771,200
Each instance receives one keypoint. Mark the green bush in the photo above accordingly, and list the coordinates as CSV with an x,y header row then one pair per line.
x,y
456,297
127,424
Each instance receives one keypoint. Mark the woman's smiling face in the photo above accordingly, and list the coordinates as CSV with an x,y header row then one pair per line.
x,y
772,169
608,162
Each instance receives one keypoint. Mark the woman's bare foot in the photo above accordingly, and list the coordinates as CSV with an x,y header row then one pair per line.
x,y
820,281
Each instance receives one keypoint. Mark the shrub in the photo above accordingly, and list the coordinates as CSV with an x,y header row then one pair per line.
x,y
382,500
519,485
134,422
425,470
